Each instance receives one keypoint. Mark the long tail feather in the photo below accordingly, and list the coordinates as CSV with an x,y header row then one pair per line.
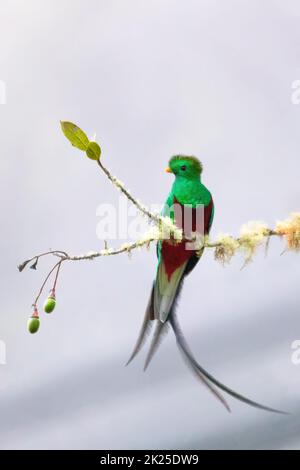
x,y
145,329
160,330
201,377
184,347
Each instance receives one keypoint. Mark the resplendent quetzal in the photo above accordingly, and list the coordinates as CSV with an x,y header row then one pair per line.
x,y
175,261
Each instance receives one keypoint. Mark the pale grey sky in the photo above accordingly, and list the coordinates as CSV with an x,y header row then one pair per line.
x,y
152,78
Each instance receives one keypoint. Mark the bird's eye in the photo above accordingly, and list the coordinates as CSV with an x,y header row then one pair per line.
x,y
183,167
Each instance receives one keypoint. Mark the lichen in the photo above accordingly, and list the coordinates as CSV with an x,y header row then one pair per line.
x,y
252,235
226,248
290,230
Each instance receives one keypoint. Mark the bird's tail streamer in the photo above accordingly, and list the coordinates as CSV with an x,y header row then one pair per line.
x,y
183,347
160,331
145,329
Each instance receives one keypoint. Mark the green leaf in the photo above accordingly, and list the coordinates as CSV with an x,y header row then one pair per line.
x,y
93,151
75,135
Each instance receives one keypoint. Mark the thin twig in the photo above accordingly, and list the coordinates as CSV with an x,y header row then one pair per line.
x,y
121,187
58,253
128,247
56,275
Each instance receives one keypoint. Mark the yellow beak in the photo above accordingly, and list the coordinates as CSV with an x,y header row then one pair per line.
x,y
168,170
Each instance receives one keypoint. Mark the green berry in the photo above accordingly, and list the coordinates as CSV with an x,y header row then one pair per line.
x,y
49,305
33,324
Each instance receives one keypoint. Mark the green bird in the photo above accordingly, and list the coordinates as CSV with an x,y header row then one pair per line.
x,y
190,206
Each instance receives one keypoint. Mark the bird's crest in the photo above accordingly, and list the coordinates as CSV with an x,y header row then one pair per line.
x,y
190,158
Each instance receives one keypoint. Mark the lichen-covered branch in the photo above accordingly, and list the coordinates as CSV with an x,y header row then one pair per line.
x,y
253,235
225,247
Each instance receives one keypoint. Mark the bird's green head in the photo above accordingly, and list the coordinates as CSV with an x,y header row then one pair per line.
x,y
185,166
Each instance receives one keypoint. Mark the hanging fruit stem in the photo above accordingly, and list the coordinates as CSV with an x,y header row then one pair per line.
x,y
56,266
56,277
35,312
